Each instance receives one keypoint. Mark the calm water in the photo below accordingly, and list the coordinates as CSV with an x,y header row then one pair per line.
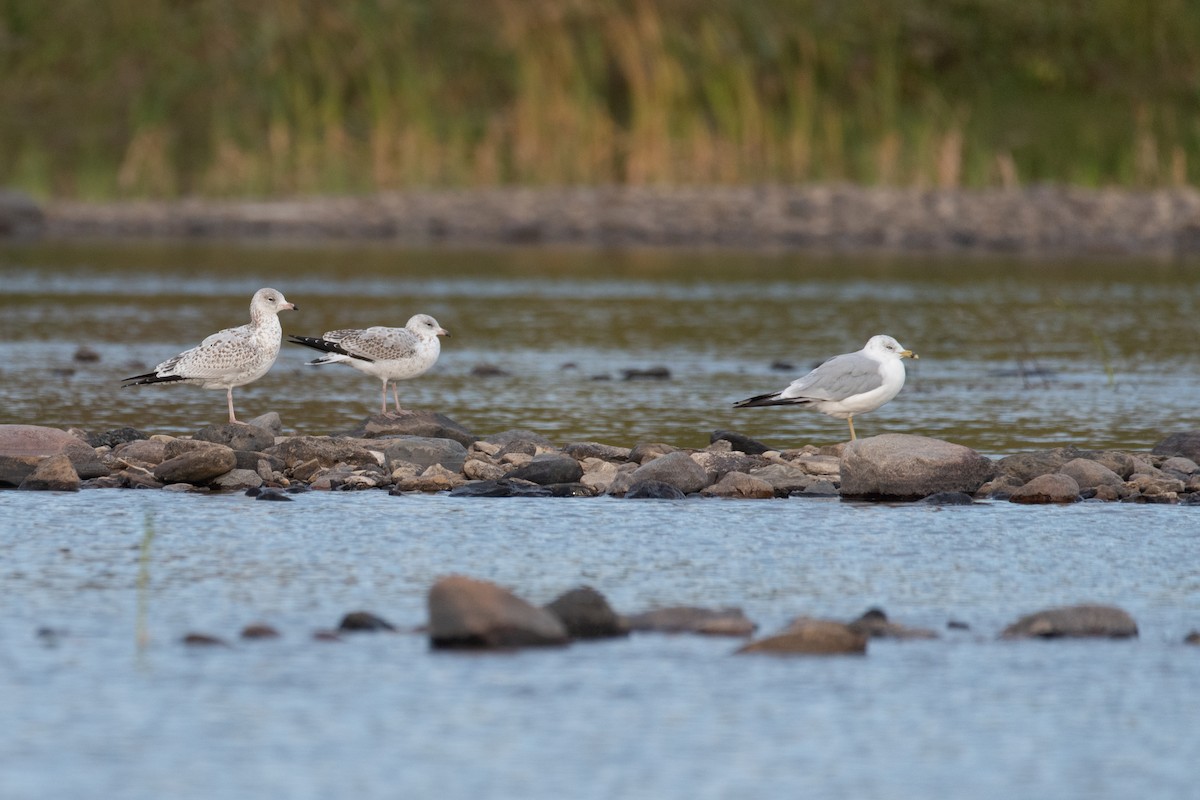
x,y
1014,356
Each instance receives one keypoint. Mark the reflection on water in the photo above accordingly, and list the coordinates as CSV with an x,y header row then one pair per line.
x,y
1015,355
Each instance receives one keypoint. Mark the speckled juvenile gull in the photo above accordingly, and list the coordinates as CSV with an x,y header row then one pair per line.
x,y
228,358
390,354
845,385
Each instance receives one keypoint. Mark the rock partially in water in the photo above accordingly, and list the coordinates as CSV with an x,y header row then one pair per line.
x,y
739,485
365,621
237,480
571,490
741,442
1185,443
691,619
1045,489
469,613
599,474
948,499
898,466
22,447
1000,488
1089,474
504,487
676,469
1192,638
1074,621
259,630
549,468
52,474
875,624
586,614
237,436
434,479
271,495
651,490
659,373
807,636
204,640
197,465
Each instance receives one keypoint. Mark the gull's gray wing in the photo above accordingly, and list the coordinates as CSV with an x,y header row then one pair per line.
x,y
377,344
838,378
219,355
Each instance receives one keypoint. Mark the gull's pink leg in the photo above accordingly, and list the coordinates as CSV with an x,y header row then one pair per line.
x,y
383,400
396,397
229,397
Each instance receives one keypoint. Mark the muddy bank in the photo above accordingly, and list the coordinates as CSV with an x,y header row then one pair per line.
x,y
1029,221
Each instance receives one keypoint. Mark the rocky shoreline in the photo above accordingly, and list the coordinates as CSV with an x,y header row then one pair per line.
x,y
418,451
1036,220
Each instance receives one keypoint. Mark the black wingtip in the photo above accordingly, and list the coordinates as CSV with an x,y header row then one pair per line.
x,y
325,346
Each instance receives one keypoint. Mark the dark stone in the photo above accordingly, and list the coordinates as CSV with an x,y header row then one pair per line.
x,y
116,436
586,614
489,371
740,442
648,374
325,451
504,487
270,494
524,447
1191,499
644,451
875,624
948,499
676,469
690,619
364,621
204,640
416,423
653,490
20,215
1186,444
259,630
248,459
237,436
570,490
581,450
549,468
1045,489
820,488
424,452
52,474
898,466
1192,638
812,637
1074,621
469,613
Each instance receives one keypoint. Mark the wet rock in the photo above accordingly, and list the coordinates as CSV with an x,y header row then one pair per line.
x,y
1192,638
586,614
204,640
364,621
1000,488
477,469
646,451
898,466
426,424
1027,466
691,619
1074,621
1186,444
675,469
469,613
784,479
740,485
22,447
652,490
1192,499
549,468
819,488
875,624
424,452
325,451
505,487
570,490
237,480
811,637
115,437
195,466
647,374
259,630
741,442
272,495
52,474
237,436
948,499
607,452
85,355
1089,474
518,434
1044,489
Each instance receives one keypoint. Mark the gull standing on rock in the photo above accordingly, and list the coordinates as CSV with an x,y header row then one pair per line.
x,y
390,354
845,385
228,358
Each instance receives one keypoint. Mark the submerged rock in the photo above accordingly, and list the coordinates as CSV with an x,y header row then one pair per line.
x,y
875,624
652,490
504,487
807,636
259,630
364,621
898,466
586,614
1074,621
469,613
691,619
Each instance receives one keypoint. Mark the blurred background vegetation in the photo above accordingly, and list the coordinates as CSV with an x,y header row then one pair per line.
x,y
162,98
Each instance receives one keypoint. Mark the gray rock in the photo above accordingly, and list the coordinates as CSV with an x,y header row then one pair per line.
x,y
365,621
875,624
52,474
269,422
607,452
571,490
237,436
898,466
144,451
1185,443
1026,466
785,479
676,469
469,613
1089,474
415,423
1122,464
1044,489
812,637
1000,488
645,451
504,487
820,488
248,459
1179,467
741,442
84,460
196,466
423,451
525,447
717,465
237,480
20,215
116,437
586,614
691,619
1073,621
324,450
739,485
650,490
22,448
518,434
948,499
549,468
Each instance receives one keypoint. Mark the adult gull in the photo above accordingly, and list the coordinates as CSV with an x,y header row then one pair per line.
x,y
846,385
390,354
228,358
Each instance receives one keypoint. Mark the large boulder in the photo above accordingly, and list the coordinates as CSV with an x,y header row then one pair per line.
x,y
22,447
1045,489
676,469
1186,444
469,613
1089,474
52,474
587,615
812,637
1074,621
898,466
237,436
424,451
549,468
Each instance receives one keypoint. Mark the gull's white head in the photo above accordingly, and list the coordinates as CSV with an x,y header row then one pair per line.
x,y
270,301
886,347
426,325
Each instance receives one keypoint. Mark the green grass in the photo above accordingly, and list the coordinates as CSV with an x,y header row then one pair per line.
x,y
162,98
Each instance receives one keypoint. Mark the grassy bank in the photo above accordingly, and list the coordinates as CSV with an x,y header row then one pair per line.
x,y
163,98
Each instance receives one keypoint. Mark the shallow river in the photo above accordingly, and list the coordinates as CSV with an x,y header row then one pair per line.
x,y
101,699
